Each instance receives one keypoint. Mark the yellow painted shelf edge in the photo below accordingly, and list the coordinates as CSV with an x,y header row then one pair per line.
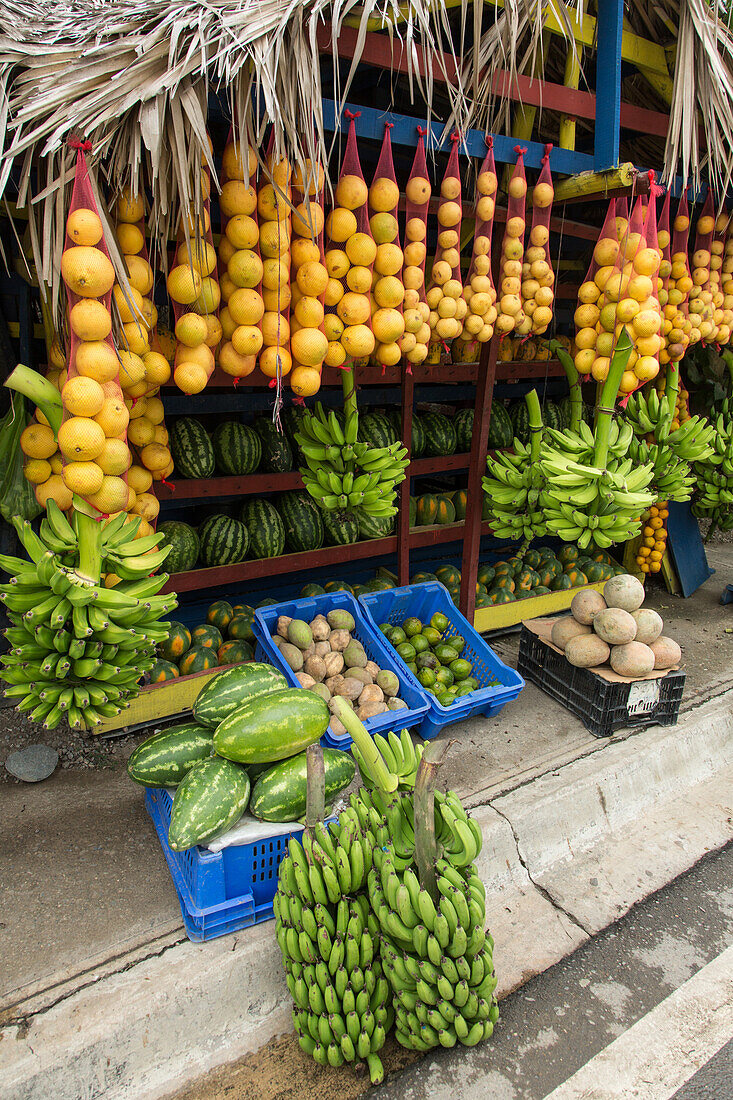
x,y
509,614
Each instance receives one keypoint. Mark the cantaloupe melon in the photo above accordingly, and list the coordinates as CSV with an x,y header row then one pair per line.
x,y
587,651
625,592
649,625
633,660
667,653
565,629
586,605
615,626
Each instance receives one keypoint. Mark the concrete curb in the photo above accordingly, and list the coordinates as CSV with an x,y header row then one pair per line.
x,y
564,855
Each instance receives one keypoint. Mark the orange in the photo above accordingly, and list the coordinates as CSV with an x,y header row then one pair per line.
x,y
80,439
82,396
234,364
113,417
84,226
87,271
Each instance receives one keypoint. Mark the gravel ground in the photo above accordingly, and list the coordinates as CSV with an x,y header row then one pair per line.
x,y
719,537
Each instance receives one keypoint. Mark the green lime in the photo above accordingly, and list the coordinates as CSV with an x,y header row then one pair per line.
x,y
386,629
455,641
461,669
444,698
444,675
398,636
445,653
464,688
412,667
419,643
440,621
426,676
407,651
411,626
433,636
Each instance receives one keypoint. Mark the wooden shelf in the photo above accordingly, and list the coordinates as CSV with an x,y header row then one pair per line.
x,y
238,485
438,464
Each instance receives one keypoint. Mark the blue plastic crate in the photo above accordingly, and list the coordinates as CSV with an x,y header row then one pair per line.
x,y
376,647
423,600
219,892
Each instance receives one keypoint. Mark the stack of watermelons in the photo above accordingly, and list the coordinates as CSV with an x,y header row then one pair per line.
x,y
226,638
233,448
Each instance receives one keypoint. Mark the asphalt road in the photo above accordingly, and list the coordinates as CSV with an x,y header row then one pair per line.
x,y
563,1020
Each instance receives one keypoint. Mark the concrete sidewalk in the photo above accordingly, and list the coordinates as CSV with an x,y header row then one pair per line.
x,y
102,994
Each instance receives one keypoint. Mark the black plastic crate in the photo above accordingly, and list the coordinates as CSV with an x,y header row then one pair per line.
x,y
601,706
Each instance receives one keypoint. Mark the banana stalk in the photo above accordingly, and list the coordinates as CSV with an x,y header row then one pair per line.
x,y
383,777
40,391
315,803
576,394
426,847
604,412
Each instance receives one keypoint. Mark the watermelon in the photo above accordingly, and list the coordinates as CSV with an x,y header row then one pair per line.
x,y
227,690
237,448
421,577
177,642
277,456
234,653
212,795
207,635
292,419
184,542
376,430
519,416
197,659
272,726
374,527
191,448
413,511
162,671
279,793
427,510
264,527
446,512
486,574
340,528
552,416
223,540
220,614
463,423
417,446
163,759
312,589
440,435
501,433
302,521
338,586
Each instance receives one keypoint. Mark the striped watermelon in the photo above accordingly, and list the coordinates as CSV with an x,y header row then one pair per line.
x,y
440,435
501,432
418,432
280,793
340,528
302,521
519,416
237,448
223,540
272,726
552,416
163,759
463,423
191,448
228,690
265,528
209,798
376,430
292,419
277,456
374,527
184,543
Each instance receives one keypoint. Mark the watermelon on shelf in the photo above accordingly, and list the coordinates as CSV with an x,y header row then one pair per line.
x,y
237,448
220,614
224,540
302,521
446,512
426,510
291,421
501,431
264,527
440,434
207,635
162,671
191,448
197,659
463,423
184,543
177,642
551,416
460,503
519,416
340,528
376,430
234,652
277,454
375,527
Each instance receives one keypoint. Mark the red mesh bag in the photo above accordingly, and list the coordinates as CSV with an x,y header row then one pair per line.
x,y
664,243
479,291
680,280
308,336
240,267
538,278
388,290
726,284
274,197
587,312
93,362
511,317
445,295
417,205
721,331
193,292
350,252
700,306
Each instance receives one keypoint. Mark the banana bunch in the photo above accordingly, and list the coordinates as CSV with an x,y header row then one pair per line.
x,y
400,755
672,478
435,953
329,941
343,472
650,415
514,488
579,446
78,648
715,474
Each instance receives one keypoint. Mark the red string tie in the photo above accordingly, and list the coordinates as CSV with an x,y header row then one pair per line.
x,y
168,484
351,115
389,125
272,383
83,146
300,401
548,149
455,136
489,141
519,150
422,131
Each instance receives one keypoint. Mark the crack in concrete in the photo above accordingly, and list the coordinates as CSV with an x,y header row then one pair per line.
x,y
24,1021
538,886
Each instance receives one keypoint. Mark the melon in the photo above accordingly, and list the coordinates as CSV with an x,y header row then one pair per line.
x,y
615,626
586,605
587,652
625,592
666,652
565,629
649,625
633,660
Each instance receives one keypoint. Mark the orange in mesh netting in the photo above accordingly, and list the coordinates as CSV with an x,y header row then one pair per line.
x,y
479,291
448,307
388,291
511,316
417,205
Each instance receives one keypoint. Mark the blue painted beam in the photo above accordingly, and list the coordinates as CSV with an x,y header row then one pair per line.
x,y
609,29
371,122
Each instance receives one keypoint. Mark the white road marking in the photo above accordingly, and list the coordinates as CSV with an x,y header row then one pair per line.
x,y
662,1050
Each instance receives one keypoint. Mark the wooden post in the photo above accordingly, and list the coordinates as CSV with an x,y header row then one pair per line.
x,y
476,470
403,515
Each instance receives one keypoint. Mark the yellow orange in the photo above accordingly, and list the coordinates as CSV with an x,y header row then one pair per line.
x,y
190,378
141,432
134,337
351,192
157,368
112,495
38,441
237,197
308,220
84,478
191,329
84,226
140,273
246,340
184,284
80,439
340,225
309,313
275,359
130,238
202,356
309,346
234,364
358,340
87,271
129,207
82,396
312,279
54,489
305,381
